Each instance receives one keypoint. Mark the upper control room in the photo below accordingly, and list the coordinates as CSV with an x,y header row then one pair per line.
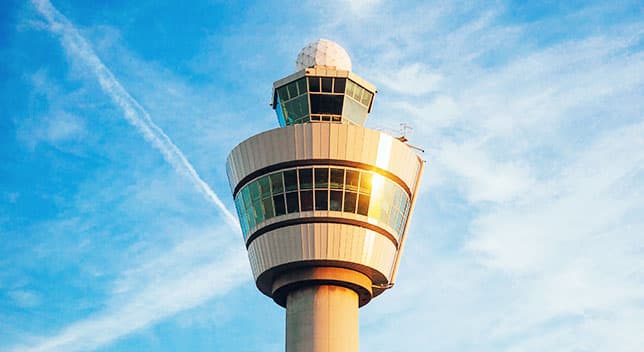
x,y
323,89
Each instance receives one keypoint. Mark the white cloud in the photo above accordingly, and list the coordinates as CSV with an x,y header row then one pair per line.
x,y
160,286
56,128
410,80
544,145
25,298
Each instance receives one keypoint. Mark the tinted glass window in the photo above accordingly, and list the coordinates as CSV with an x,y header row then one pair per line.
x,y
290,180
278,203
327,84
365,183
321,200
268,207
334,188
282,93
246,198
337,178
350,202
366,98
306,199
363,204
326,104
264,187
352,180
292,203
335,201
350,88
314,84
306,178
259,213
276,183
292,90
254,191
338,86
321,178
301,86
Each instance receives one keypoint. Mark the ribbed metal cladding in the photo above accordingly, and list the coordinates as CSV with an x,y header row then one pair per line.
x,y
323,141
337,244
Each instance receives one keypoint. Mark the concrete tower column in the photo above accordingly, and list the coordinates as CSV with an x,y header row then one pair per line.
x,y
322,318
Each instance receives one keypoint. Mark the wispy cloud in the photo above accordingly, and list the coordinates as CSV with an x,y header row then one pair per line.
x,y
192,272
157,288
77,46
536,156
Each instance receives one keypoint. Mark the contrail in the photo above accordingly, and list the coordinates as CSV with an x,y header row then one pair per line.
x,y
135,114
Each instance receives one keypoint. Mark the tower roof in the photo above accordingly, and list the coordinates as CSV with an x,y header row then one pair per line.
x,y
323,52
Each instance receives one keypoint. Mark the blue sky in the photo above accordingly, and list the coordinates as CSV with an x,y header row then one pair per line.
x,y
115,210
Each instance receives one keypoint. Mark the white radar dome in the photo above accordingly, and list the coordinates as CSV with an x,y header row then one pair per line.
x,y
323,52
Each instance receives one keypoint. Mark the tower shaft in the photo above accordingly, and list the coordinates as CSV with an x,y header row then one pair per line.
x,y
322,318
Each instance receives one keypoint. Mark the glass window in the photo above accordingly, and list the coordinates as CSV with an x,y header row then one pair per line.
x,y
350,201
292,203
292,90
253,188
268,207
258,212
366,98
306,199
297,108
335,201
246,198
314,84
338,86
363,204
301,85
321,199
326,104
290,180
337,178
365,182
276,183
354,111
322,188
352,180
327,84
282,93
350,88
278,203
264,187
280,113
397,202
306,178
401,225
321,178
357,93
251,222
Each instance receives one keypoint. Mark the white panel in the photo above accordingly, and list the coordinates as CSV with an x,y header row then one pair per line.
x,y
334,136
322,141
295,243
384,152
342,144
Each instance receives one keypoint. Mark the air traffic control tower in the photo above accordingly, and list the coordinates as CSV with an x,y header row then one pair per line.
x,y
323,202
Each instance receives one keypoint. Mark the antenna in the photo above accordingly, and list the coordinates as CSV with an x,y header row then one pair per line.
x,y
404,129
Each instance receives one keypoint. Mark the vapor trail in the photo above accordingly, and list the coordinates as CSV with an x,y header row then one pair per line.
x,y
76,45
